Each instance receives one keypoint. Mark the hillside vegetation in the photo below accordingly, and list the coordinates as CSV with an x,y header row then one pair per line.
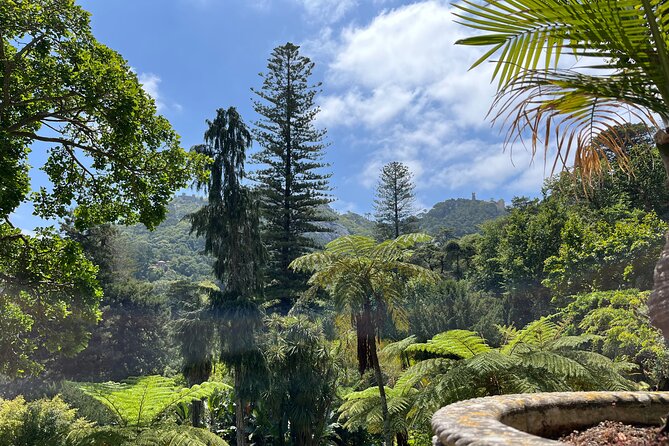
x,y
170,252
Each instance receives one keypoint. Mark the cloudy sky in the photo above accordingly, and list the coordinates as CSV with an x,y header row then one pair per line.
x,y
395,87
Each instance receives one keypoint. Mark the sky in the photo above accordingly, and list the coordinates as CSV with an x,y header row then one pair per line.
x,y
395,87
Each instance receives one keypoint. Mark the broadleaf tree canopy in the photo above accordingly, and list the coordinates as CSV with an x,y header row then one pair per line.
x,y
111,159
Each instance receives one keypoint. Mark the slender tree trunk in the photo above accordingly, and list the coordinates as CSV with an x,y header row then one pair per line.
x,y
387,434
197,413
240,421
658,303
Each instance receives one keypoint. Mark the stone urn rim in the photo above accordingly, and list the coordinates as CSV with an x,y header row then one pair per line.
x,y
524,419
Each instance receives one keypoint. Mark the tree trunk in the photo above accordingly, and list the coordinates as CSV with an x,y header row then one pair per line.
x,y
402,438
658,303
240,422
387,434
197,413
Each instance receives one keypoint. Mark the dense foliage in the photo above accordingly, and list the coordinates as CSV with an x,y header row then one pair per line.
x,y
112,159
184,335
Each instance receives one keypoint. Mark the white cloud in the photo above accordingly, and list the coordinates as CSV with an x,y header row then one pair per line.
x,y
343,206
402,80
151,84
407,52
327,11
28,232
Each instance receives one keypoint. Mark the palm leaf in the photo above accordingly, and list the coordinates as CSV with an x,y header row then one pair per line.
x,y
627,41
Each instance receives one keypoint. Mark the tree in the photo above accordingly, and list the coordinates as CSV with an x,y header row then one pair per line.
x,y
635,181
366,280
291,183
139,405
230,225
112,159
628,38
230,222
303,379
606,250
511,255
394,202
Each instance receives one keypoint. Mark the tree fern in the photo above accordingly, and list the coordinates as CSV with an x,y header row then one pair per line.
x,y
141,401
158,436
366,280
461,343
362,409
461,365
538,333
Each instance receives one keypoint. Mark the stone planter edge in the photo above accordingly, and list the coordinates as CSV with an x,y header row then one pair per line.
x,y
511,420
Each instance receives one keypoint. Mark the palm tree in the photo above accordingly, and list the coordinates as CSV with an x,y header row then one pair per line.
x,y
230,225
366,280
627,42
304,374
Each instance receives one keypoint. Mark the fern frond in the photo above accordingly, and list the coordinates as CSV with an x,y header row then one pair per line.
x,y
139,401
423,370
537,333
461,343
490,363
574,342
397,249
554,364
159,436
395,350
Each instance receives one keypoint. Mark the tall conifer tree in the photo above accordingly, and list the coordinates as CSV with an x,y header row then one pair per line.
x,y
230,225
394,203
292,183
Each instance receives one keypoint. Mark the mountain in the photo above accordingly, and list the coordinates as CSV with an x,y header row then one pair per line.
x,y
460,215
340,225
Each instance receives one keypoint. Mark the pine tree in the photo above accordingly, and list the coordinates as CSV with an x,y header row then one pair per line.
x,y
394,201
293,187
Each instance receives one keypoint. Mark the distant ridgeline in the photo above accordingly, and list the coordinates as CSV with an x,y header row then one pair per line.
x,y
461,215
171,253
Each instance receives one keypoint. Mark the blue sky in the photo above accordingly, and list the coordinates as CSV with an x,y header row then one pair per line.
x,y
395,87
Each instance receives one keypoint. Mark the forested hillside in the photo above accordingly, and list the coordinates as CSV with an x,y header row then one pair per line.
x,y
460,215
170,252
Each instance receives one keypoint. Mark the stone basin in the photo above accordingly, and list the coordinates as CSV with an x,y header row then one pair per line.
x,y
533,418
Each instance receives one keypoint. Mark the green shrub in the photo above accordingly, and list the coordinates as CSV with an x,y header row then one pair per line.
x,y
43,422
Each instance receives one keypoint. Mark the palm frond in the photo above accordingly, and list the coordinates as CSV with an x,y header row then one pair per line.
x,y
627,42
